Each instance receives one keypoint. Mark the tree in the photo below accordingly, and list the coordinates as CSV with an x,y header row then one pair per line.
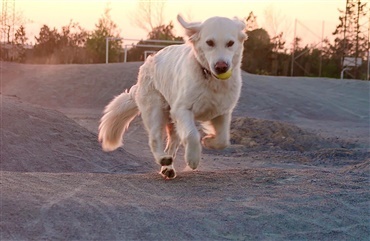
x,y
9,20
20,36
257,52
71,44
73,35
262,54
149,15
47,42
251,22
96,42
20,42
64,47
163,32
350,38
276,25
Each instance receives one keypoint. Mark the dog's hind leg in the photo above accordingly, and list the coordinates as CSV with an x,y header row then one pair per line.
x,y
218,132
173,140
155,118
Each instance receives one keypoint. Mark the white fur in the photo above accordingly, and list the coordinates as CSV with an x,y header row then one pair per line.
x,y
173,92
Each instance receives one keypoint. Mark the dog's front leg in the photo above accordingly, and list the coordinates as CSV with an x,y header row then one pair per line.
x,y
188,134
218,132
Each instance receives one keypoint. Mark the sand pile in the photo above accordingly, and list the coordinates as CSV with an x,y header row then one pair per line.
x,y
43,140
265,134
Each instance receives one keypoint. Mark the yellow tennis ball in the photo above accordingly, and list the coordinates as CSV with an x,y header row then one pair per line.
x,y
225,76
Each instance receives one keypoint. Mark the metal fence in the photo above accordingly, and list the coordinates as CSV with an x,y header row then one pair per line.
x,y
108,39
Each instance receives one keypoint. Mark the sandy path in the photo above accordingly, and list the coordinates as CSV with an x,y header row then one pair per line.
x,y
258,203
57,184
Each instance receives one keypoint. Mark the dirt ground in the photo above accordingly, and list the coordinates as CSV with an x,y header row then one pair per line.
x,y
298,167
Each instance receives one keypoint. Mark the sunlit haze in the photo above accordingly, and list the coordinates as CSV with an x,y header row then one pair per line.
x,y
310,13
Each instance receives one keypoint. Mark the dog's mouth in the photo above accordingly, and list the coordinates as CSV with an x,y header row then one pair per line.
x,y
221,76
225,75
222,70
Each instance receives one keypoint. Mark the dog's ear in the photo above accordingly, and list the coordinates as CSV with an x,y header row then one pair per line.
x,y
241,24
191,29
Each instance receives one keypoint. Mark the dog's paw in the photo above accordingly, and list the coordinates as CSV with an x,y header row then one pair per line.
x,y
192,155
166,161
168,172
193,164
211,142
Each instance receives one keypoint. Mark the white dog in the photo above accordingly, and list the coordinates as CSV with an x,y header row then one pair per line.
x,y
181,84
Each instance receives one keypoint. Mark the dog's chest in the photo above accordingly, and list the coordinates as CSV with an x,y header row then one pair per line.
x,y
211,104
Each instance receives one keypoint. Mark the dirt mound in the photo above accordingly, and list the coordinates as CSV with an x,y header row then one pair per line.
x,y
265,134
42,140
68,86
361,168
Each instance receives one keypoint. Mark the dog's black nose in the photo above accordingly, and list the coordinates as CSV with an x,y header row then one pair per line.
x,y
221,67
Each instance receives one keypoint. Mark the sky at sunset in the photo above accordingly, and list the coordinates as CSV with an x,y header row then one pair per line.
x,y
310,14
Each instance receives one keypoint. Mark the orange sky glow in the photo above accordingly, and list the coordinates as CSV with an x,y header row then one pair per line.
x,y
310,14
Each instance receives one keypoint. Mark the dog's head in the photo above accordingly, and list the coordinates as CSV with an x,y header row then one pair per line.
x,y
217,43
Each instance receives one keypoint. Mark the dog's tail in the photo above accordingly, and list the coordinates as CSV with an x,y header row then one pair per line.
x,y
117,116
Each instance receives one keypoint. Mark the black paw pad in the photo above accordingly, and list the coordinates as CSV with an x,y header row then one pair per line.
x,y
166,161
168,173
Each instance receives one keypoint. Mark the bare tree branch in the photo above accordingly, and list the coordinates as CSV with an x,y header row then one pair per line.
x,y
275,22
148,15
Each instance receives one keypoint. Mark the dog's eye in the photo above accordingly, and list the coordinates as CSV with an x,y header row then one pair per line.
x,y
210,43
230,43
